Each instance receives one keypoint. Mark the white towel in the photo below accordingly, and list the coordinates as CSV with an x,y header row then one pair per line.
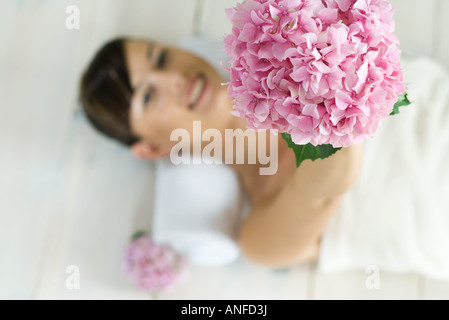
x,y
197,211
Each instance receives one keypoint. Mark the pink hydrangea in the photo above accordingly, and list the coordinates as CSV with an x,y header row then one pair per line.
x,y
153,267
324,71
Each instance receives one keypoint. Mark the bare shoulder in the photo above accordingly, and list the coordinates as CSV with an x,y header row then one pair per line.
x,y
331,177
325,179
314,182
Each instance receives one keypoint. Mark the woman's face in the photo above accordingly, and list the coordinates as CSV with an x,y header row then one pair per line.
x,y
173,88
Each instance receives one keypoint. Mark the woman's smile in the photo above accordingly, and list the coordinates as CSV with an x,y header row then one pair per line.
x,y
197,90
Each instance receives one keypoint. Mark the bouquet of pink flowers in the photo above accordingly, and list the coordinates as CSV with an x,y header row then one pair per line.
x,y
325,73
153,267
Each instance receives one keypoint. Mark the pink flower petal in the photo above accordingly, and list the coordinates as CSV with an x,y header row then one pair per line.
x,y
344,5
327,72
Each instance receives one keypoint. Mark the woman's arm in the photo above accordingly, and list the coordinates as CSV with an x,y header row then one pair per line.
x,y
287,229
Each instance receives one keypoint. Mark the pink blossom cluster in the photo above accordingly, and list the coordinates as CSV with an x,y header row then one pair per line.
x,y
154,267
324,71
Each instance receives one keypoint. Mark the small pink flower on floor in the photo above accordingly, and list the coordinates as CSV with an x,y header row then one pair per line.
x,y
154,267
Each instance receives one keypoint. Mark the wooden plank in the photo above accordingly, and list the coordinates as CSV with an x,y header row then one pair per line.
x,y
100,194
443,45
369,284
8,14
436,289
35,97
164,21
416,38
243,280
59,205
215,23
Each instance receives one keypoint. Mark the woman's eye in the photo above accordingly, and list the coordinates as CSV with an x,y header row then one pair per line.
x,y
162,60
146,98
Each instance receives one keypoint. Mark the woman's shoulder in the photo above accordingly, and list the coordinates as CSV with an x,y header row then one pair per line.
x,y
331,177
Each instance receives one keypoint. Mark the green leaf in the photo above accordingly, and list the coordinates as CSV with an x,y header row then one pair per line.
x,y
309,151
138,234
402,101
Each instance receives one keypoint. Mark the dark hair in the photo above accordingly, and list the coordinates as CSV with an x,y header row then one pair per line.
x,y
105,92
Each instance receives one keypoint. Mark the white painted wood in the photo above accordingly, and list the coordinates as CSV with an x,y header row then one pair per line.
x,y
415,25
443,46
44,216
243,280
215,23
31,119
360,285
96,210
436,290
166,21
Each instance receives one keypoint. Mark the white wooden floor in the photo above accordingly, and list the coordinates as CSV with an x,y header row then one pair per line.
x,y
69,196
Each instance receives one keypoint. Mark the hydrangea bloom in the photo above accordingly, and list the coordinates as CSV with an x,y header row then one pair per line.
x,y
153,267
324,71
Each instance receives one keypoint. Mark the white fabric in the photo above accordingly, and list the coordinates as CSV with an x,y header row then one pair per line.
x,y
396,217
197,211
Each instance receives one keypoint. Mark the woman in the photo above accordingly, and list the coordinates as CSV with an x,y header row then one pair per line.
x,y
138,92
